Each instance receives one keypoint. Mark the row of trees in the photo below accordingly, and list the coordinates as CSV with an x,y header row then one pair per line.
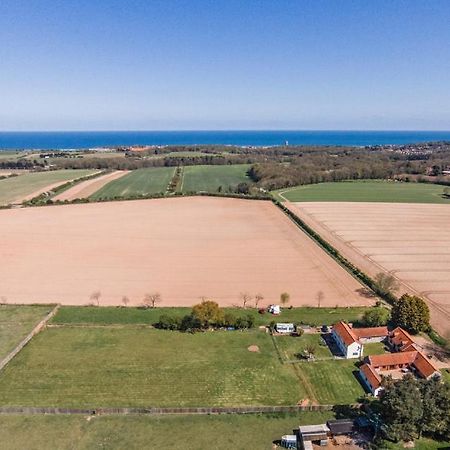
x,y
203,316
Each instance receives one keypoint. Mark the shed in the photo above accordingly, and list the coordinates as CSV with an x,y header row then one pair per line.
x,y
341,426
313,432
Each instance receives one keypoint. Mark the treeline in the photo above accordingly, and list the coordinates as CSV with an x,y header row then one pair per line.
x,y
325,165
133,163
205,315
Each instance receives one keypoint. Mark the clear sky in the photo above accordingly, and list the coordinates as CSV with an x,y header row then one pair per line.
x,y
224,64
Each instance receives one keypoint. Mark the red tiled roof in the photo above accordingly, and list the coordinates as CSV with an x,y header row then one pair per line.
x,y
345,333
371,375
424,366
401,337
370,332
392,359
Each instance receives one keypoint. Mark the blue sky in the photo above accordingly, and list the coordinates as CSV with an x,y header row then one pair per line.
x,y
254,64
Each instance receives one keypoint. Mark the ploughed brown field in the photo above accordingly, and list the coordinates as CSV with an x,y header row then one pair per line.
x,y
411,241
184,248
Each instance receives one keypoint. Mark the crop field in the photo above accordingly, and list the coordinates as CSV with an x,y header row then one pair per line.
x,y
26,186
410,241
109,315
16,322
365,191
238,432
149,181
91,367
86,188
183,248
213,178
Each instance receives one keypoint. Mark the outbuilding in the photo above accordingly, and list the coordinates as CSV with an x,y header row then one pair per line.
x,y
285,328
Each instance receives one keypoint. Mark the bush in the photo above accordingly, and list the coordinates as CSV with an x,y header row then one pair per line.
x,y
376,317
167,322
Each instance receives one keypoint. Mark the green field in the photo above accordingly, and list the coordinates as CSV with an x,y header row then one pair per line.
x,y
139,182
211,178
237,432
15,188
129,366
131,315
365,191
16,322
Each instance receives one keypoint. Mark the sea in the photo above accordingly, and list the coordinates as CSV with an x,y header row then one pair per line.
x,y
73,140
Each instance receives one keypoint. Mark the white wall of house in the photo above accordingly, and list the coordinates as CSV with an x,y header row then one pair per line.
x,y
354,350
377,391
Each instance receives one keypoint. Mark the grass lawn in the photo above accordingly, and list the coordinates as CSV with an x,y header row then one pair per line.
x,y
16,322
153,180
420,444
291,345
210,178
330,382
112,315
95,367
365,191
237,432
375,348
12,189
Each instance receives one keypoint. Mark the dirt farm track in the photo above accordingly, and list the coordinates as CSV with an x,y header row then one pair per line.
x,y
411,241
184,248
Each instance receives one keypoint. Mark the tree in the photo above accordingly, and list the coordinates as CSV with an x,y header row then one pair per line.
x,y
410,407
125,300
95,297
412,313
447,192
258,299
436,408
245,298
319,297
284,298
376,317
310,349
402,409
208,313
385,284
150,300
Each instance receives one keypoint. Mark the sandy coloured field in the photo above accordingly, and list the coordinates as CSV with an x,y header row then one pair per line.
x,y
411,241
184,248
88,187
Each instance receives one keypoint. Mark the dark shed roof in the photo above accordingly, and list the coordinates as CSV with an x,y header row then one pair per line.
x,y
341,426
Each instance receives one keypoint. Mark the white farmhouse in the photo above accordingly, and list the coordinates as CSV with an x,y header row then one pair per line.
x,y
347,341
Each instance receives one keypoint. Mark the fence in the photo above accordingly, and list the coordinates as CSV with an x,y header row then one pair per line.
x,y
28,338
168,411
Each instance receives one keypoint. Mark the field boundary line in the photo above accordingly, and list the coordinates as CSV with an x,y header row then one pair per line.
x,y
38,328
29,410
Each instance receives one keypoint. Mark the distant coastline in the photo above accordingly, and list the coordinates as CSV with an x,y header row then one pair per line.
x,y
68,140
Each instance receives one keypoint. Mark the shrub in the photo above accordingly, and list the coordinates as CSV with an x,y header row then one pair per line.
x,y
167,322
376,317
